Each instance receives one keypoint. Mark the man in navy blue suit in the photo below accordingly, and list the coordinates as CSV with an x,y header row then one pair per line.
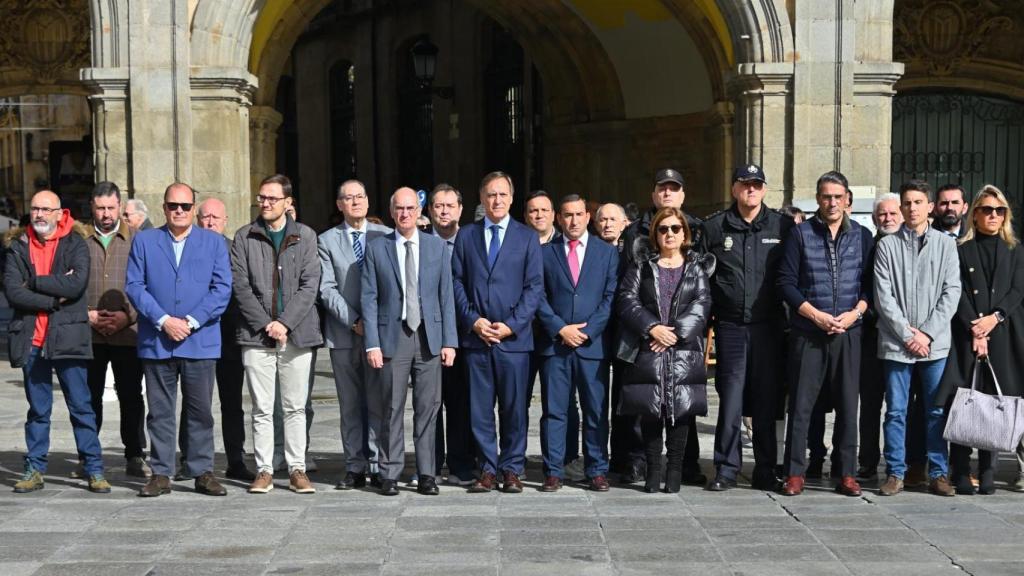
x,y
580,277
498,284
179,280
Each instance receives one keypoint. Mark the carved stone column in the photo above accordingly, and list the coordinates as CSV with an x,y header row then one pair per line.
x,y
871,139
221,98
763,94
264,122
112,153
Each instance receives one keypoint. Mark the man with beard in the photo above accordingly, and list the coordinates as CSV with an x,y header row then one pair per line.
x,y
112,319
950,208
46,274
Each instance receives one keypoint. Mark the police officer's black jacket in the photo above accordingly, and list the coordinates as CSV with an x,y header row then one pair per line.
x,y
747,254
636,239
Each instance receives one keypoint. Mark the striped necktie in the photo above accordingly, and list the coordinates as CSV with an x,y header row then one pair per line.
x,y
357,247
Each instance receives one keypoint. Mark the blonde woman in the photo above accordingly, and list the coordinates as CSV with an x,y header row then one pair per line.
x,y
989,323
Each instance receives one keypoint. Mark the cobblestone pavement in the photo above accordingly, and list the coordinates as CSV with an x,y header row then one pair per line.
x,y
66,530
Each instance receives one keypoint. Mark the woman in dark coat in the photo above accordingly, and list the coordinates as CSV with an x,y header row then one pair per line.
x,y
989,323
664,305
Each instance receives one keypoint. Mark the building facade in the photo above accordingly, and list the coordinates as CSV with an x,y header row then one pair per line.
x,y
585,96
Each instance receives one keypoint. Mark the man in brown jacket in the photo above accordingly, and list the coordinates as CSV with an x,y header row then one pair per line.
x,y
112,319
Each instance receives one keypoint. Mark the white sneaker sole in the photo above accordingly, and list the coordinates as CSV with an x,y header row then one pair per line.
x,y
302,491
261,490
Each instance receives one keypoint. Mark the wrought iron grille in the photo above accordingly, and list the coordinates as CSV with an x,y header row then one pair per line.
x,y
959,138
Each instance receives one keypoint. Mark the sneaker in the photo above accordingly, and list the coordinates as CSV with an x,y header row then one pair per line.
x,y
574,471
99,484
893,486
263,483
940,486
31,481
1017,485
311,464
136,466
917,476
299,483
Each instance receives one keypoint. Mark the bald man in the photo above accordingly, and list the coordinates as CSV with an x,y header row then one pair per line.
x,y
46,275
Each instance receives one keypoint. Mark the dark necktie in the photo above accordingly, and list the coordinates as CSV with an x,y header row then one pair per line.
x,y
357,248
492,252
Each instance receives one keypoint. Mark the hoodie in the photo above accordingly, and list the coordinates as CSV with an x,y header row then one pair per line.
x,y
41,253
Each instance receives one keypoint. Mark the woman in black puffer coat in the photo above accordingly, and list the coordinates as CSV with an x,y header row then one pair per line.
x,y
664,305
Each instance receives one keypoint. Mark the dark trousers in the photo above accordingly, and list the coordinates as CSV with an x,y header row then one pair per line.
x,y
572,429
627,440
747,381
497,375
458,442
676,435
560,374
230,379
960,464
197,397
124,361
816,431
820,361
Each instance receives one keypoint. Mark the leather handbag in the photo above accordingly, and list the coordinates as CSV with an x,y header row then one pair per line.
x,y
983,421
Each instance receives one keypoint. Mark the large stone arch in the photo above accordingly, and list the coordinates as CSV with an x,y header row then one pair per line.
x,y
222,32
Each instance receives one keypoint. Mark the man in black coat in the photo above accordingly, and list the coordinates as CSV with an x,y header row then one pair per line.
x,y
746,240
627,456
46,275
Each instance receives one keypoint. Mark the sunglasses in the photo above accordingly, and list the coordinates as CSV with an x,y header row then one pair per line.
x,y
988,210
675,228
175,206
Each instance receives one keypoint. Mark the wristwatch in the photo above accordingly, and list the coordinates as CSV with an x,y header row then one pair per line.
x,y
999,316
860,315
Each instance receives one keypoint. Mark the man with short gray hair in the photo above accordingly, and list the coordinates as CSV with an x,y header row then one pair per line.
x,y
136,215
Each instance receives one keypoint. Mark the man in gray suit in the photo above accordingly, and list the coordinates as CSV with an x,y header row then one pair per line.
x,y
410,331
342,250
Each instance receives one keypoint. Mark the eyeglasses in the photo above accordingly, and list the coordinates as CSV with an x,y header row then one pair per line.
x,y
272,200
43,210
175,206
352,197
675,228
988,210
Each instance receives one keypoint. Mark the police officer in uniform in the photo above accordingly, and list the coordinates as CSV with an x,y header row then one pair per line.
x,y
746,240
626,441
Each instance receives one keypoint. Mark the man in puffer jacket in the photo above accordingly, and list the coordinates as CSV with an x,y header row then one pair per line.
x,y
46,274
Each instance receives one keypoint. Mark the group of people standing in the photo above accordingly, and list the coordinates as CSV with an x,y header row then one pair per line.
x,y
469,316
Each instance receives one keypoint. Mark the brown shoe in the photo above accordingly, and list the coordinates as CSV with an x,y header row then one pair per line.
x,y
848,486
794,486
599,484
892,486
156,486
512,483
263,483
299,483
916,477
941,487
485,483
207,484
551,484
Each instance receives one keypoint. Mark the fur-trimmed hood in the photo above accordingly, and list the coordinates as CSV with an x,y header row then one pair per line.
x,y
21,233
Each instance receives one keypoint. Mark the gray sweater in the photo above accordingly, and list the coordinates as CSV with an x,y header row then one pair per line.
x,y
917,284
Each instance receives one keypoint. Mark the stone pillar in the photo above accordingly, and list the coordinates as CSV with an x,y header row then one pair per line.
x,y
264,121
110,124
720,133
220,138
763,93
871,141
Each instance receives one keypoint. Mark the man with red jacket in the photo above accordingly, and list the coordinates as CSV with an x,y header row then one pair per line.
x,y
46,273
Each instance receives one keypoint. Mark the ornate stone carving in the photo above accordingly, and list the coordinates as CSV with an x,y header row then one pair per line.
x,y
944,34
44,37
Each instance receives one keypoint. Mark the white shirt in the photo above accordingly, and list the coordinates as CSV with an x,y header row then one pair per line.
x,y
400,252
581,248
502,228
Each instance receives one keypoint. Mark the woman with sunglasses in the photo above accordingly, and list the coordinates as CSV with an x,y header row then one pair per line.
x,y
989,324
664,306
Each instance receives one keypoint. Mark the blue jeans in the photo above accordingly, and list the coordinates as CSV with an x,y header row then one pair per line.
x,y
897,394
73,378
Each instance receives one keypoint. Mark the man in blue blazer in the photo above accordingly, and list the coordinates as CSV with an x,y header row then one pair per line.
x,y
580,278
498,284
409,316
179,280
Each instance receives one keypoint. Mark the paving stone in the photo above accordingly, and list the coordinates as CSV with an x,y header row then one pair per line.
x,y
671,523
203,569
787,568
97,569
442,539
682,567
547,569
781,536
984,553
734,520
868,537
18,568
644,537
992,568
876,521
908,568
775,553
889,553
985,536
555,554
320,569
109,553
35,552
663,550
433,569
444,555
219,554
550,523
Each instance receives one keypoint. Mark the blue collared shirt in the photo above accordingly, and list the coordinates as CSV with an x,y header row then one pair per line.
x,y
502,228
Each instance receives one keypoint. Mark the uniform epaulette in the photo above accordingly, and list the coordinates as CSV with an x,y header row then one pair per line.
x,y
715,214
781,212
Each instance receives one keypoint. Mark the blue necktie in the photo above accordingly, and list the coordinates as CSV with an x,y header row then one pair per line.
x,y
492,251
357,247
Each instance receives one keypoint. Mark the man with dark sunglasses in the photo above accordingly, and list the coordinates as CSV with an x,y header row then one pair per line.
x,y
746,240
179,281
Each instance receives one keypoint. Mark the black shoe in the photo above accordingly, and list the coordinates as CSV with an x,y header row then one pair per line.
x,y
389,487
814,470
652,476
427,486
239,472
673,478
867,474
375,480
720,484
765,481
693,477
634,473
351,480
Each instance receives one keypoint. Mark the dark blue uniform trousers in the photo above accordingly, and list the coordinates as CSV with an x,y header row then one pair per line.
x,y
558,374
